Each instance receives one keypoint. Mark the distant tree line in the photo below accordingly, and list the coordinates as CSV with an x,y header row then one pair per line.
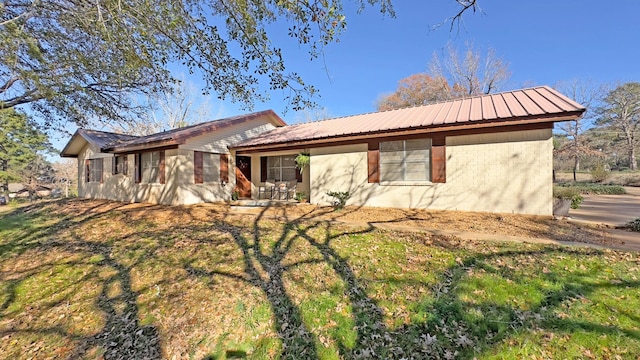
x,y
606,136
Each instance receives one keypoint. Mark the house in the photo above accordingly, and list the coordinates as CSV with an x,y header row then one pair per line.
x,y
17,190
488,153
181,166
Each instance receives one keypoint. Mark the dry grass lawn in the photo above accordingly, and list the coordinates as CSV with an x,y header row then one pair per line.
x,y
99,279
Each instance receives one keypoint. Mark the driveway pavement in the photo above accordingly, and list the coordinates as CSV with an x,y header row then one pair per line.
x,y
609,210
612,211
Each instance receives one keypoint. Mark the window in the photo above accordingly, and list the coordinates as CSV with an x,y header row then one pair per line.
x,y
151,167
282,168
210,167
405,160
94,170
206,167
120,165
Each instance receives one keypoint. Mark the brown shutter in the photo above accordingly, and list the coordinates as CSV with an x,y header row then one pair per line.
x,y
438,160
137,167
198,176
87,174
263,168
101,165
162,177
113,165
373,165
224,168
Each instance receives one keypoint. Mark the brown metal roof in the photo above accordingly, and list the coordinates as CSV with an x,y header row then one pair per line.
x,y
534,105
179,136
119,143
98,139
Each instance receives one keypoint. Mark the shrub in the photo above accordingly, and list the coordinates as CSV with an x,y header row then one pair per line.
x,y
599,173
634,225
595,189
341,198
300,196
570,193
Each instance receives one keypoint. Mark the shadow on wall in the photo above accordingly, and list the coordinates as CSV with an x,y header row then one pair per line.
x,y
507,176
179,187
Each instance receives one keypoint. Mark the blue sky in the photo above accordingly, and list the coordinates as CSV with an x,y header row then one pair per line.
x,y
543,41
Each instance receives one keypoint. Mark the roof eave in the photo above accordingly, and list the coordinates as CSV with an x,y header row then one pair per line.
x,y
548,118
74,137
145,146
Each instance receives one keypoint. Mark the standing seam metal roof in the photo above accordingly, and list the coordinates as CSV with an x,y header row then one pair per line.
x,y
540,101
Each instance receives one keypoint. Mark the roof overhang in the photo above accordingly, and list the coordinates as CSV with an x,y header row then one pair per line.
x,y
74,146
180,137
152,146
500,125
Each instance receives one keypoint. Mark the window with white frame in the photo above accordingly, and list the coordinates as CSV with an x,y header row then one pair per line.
x,y
405,160
151,167
281,168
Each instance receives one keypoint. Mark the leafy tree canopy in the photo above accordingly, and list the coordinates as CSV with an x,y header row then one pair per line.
x,y
78,60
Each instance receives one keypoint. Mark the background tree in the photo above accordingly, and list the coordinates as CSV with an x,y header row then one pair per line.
x,y
470,74
621,111
66,176
416,89
184,105
38,172
311,115
20,142
450,77
577,145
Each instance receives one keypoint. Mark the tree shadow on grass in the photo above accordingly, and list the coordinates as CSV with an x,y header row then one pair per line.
x,y
263,268
122,336
450,331
456,326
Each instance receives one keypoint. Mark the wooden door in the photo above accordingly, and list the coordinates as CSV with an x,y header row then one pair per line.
x,y
243,176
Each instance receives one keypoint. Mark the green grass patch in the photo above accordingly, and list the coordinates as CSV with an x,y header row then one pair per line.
x,y
76,282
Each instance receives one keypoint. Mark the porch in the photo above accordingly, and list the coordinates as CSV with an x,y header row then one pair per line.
x,y
271,178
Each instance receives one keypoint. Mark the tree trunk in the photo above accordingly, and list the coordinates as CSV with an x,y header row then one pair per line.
x,y
632,158
576,167
5,183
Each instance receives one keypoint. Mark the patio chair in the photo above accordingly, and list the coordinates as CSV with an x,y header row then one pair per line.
x,y
267,189
291,189
281,190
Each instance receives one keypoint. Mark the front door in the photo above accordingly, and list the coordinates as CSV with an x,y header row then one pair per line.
x,y
243,176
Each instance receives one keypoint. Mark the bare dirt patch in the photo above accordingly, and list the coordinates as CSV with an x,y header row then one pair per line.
x,y
456,221
525,226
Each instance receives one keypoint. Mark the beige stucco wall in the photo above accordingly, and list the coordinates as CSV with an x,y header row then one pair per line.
x,y
504,172
180,186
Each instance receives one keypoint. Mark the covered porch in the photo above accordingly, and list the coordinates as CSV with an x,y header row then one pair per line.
x,y
271,176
